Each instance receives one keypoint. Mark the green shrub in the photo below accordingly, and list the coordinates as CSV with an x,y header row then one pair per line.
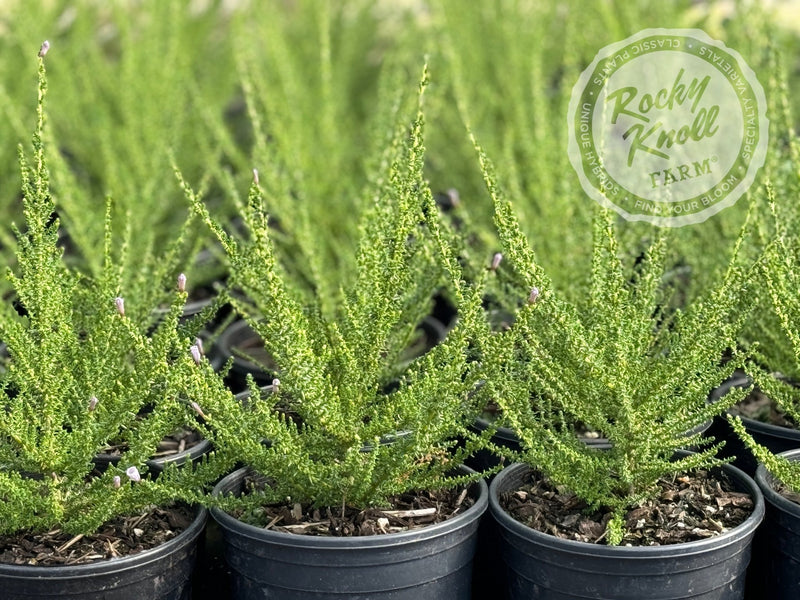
x,y
340,373
80,374
780,280
617,363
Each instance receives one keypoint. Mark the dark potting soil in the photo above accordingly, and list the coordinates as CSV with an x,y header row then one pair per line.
x,y
787,492
407,511
757,405
690,507
120,536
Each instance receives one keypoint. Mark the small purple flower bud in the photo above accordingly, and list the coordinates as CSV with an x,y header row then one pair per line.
x,y
276,383
117,482
133,474
181,282
92,403
196,354
43,50
496,260
196,408
534,295
255,176
199,343
120,304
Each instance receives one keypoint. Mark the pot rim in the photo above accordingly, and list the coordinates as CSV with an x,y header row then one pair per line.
x,y
732,536
201,448
750,423
117,564
766,482
388,540
241,330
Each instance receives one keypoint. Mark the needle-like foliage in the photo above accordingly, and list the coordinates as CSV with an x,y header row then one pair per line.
x,y
79,374
781,280
617,363
367,424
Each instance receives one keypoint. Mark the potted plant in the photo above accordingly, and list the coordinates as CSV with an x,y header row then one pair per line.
x,y
353,451
767,412
775,571
579,521
79,374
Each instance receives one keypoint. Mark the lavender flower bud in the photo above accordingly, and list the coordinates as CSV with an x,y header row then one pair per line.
x,y
181,282
196,408
496,259
133,474
455,198
199,343
92,403
534,295
120,304
43,50
117,482
276,383
255,176
196,354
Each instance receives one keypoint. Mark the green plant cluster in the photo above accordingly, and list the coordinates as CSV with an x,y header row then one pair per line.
x,y
780,279
338,246
360,422
612,364
80,374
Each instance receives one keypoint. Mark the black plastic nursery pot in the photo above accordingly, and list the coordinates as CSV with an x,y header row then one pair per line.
x,y
201,297
157,464
239,340
431,563
161,573
776,572
545,567
190,309
506,437
777,439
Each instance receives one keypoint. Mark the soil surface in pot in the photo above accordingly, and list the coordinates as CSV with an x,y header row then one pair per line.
x,y
407,511
690,507
787,492
120,536
757,405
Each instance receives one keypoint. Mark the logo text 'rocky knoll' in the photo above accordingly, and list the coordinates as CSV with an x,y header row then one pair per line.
x,y
667,126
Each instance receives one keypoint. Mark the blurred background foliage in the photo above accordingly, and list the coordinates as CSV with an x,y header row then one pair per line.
x,y
305,91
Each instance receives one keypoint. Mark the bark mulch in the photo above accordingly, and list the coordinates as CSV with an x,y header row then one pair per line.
x,y
120,536
690,507
406,512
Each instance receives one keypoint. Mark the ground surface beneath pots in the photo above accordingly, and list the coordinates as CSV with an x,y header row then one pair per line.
x,y
119,537
690,507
